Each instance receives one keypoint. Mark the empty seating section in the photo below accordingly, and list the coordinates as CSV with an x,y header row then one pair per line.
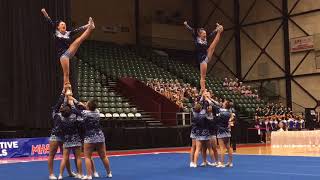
x,y
119,62
91,84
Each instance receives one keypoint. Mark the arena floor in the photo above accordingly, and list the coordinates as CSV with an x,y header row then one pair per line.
x,y
250,162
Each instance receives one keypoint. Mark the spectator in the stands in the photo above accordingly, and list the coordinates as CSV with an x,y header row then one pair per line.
x,y
226,82
274,113
236,86
281,127
174,90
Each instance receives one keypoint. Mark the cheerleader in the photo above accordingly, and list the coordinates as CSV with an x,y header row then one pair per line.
x,y
302,122
296,124
201,134
211,145
93,135
291,123
213,136
204,52
285,123
72,139
66,49
223,133
81,107
275,123
272,124
195,115
281,127
262,130
56,138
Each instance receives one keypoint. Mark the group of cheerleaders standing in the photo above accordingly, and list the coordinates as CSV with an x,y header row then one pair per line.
x,y
76,124
211,122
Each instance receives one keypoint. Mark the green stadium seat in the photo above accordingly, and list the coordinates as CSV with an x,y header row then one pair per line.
x,y
126,104
126,110
97,94
134,110
112,99
119,104
113,110
120,110
119,99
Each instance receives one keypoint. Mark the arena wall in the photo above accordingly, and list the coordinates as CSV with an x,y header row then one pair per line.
x,y
118,14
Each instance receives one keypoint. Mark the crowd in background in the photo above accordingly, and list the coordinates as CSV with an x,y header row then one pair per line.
x,y
236,86
180,93
273,109
276,117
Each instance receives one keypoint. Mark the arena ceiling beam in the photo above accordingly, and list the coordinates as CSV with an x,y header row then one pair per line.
x,y
237,35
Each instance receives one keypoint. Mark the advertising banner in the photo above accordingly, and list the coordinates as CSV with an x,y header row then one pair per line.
x,y
24,147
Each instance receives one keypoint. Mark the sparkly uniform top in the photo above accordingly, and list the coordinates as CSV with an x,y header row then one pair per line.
x,y
200,45
62,41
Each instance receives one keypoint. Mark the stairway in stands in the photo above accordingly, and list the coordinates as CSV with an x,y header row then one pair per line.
x,y
146,116
94,84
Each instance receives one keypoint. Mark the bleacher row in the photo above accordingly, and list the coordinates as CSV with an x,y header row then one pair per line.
x,y
101,60
91,85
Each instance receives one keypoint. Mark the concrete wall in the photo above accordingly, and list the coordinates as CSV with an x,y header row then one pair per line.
x,y
161,34
111,13
262,32
308,22
256,35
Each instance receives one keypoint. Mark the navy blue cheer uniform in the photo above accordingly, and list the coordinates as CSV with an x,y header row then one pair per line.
x,y
297,125
56,133
201,46
194,121
211,117
223,130
90,121
63,41
200,129
70,131
212,125
291,124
